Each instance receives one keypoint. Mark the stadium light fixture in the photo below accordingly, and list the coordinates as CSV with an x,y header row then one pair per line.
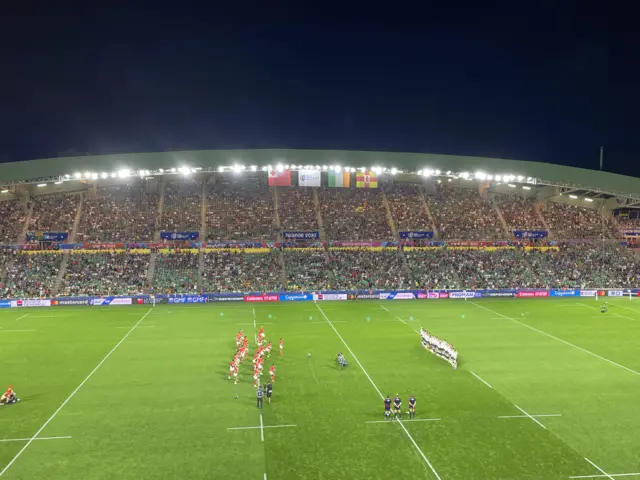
x,y
42,184
87,174
464,175
317,167
254,168
481,175
324,167
489,177
419,172
574,197
5,191
265,168
94,175
67,176
338,168
511,185
173,170
236,168
113,174
519,178
587,199
498,178
286,167
394,170
448,172
57,183
449,179
524,187
77,175
124,173
438,172
279,168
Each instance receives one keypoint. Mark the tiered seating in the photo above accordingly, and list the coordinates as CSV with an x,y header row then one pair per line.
x,y
296,209
13,215
182,209
241,272
354,214
628,223
120,273
240,212
176,272
32,275
407,207
54,213
571,222
519,212
363,269
433,269
461,213
118,214
307,270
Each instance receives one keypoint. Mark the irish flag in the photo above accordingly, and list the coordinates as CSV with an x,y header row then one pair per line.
x,y
341,179
367,179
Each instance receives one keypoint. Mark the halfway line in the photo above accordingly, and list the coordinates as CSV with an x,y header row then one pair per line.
x,y
44,425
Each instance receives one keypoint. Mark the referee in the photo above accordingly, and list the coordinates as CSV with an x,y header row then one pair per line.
x,y
259,394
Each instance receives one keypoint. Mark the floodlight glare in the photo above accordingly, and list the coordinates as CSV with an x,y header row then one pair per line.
x,y
529,188
394,170
124,173
57,183
481,175
511,185
104,175
173,170
42,184
337,168
265,168
498,178
324,167
67,176
77,175
519,178
254,168
5,191
588,199
279,168
94,175
573,197
438,172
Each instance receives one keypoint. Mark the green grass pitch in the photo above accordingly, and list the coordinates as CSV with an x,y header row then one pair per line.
x,y
160,405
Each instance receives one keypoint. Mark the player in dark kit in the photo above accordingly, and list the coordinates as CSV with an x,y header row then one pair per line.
x,y
412,406
603,308
397,407
269,392
387,408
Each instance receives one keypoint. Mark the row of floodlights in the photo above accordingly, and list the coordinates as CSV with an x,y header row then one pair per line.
x,y
575,197
478,176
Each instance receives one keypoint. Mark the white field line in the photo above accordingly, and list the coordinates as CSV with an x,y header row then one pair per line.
x,y
255,335
560,340
45,316
627,308
410,420
402,320
612,313
530,416
478,377
337,321
28,330
27,439
44,425
598,468
614,475
384,308
263,323
419,450
20,318
265,475
261,429
141,326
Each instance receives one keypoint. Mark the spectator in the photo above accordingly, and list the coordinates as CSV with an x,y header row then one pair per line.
x,y
365,269
176,271
354,214
519,212
307,270
238,271
13,214
574,222
182,210
407,207
54,213
31,275
297,210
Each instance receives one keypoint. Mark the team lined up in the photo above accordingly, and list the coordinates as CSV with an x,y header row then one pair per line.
x,y
263,349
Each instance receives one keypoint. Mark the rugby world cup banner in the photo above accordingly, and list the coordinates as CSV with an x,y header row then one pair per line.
x,y
416,235
530,233
296,297
112,301
300,235
179,235
309,178
47,236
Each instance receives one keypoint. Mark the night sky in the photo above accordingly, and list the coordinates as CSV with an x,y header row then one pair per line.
x,y
548,85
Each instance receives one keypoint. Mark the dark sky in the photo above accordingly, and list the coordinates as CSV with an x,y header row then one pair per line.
x,y
548,85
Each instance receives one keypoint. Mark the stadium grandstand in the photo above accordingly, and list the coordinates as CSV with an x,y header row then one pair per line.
x,y
307,220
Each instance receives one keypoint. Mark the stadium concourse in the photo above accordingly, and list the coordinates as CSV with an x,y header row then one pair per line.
x,y
397,236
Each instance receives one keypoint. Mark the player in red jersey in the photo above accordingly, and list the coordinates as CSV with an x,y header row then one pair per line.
x,y
272,373
281,347
9,397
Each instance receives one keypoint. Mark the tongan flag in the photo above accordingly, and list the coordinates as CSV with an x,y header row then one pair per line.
x,y
280,179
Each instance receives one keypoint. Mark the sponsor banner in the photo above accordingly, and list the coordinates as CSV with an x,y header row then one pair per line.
x,y
239,298
476,244
362,244
279,179
532,293
588,293
433,295
301,235
309,178
503,293
47,236
31,302
236,245
631,233
5,303
296,297
468,294
103,246
564,293
530,233
179,235
397,296
112,301
415,235
421,295
368,296
262,298
69,301
332,296
615,293
188,299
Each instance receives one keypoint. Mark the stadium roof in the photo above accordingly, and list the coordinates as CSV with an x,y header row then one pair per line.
x,y
33,171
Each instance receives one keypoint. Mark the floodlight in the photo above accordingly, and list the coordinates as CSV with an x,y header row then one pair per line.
x,y
279,168
587,199
573,197
42,184
77,175
529,188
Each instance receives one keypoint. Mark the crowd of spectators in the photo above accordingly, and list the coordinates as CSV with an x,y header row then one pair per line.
x,y
574,222
519,212
226,271
462,214
182,209
54,213
628,222
432,269
407,207
354,214
364,269
242,211
13,215
31,276
307,270
176,272
297,210
118,214
113,273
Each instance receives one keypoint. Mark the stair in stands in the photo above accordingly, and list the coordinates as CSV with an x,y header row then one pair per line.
x,y
316,202
276,214
203,213
503,222
538,210
390,221
151,271
201,270
156,236
425,204
25,227
76,221
283,272
63,269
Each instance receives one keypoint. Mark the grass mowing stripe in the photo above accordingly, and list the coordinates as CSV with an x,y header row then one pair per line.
x,y
424,457
44,425
559,339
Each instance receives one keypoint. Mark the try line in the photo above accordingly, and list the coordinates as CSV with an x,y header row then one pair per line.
x,y
399,422
44,425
